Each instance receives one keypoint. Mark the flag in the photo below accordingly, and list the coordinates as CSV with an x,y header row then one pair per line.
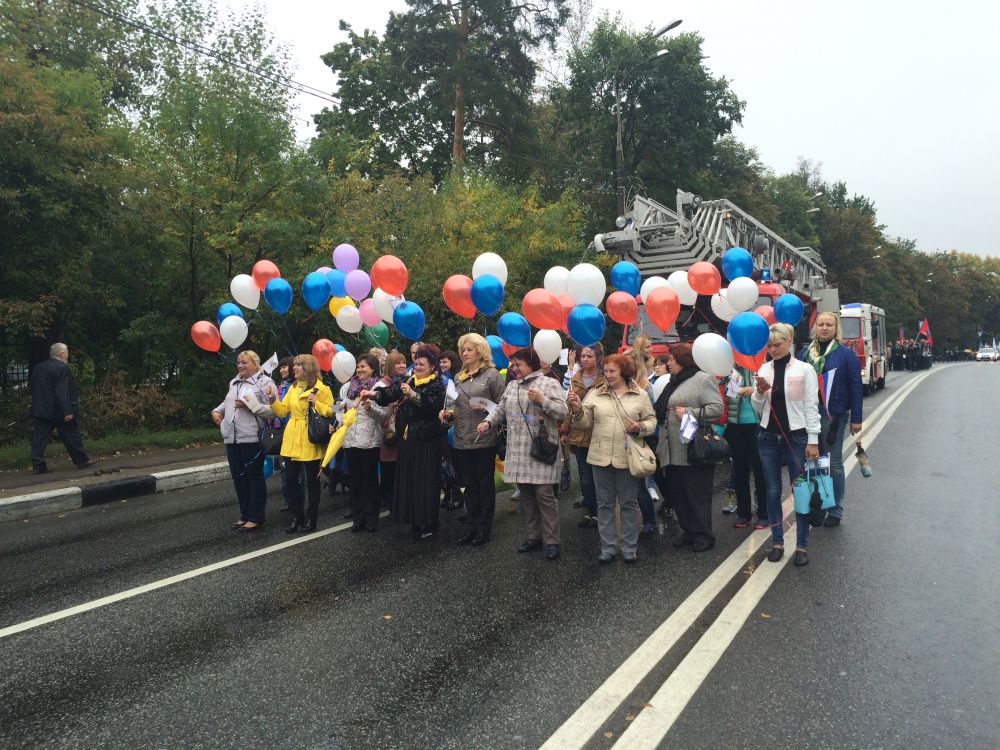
x,y
925,330
902,338
269,366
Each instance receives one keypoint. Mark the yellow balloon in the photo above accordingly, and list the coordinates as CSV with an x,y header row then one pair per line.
x,y
338,302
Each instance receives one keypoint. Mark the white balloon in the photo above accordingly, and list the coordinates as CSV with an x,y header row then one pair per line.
x,y
721,306
742,293
653,282
548,344
245,291
343,366
713,354
492,264
586,284
349,319
234,331
679,281
555,280
385,304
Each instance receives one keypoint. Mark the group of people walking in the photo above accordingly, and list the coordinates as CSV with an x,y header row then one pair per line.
x,y
608,410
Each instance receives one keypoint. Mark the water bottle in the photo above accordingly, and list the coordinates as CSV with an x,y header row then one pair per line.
x,y
863,462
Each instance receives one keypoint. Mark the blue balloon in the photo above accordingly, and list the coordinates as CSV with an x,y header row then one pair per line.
x,y
788,309
339,348
586,325
487,294
409,320
496,347
278,294
335,279
268,466
226,310
748,333
736,263
315,290
625,277
451,437
514,329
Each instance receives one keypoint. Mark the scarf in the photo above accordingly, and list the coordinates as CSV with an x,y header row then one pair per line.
x,y
818,359
661,407
417,382
464,374
356,385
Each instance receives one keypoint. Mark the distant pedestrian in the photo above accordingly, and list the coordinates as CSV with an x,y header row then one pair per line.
x,y
393,370
741,434
582,382
362,443
54,406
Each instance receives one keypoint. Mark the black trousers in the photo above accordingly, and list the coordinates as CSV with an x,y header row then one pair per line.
x,y
476,467
296,501
387,482
691,492
742,438
362,472
69,433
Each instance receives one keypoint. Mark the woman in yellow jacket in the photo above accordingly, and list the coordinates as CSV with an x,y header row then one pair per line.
x,y
303,455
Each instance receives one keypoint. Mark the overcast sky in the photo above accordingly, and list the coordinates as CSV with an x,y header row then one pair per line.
x,y
898,99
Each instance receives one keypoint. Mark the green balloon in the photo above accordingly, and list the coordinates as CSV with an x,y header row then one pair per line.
x,y
377,335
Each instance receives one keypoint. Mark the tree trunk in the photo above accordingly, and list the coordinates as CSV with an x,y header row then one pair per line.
x,y
458,142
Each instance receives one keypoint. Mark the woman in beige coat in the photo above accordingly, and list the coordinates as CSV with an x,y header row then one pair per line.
x,y
610,411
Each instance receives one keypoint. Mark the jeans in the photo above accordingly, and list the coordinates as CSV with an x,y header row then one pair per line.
x,y
773,450
246,464
836,458
586,479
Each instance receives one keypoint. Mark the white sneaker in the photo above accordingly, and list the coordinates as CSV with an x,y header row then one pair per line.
x,y
515,495
653,494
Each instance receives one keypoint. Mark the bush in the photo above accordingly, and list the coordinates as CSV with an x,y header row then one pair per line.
x,y
120,407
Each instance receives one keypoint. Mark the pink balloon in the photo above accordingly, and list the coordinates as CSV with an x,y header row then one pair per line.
x,y
324,269
357,284
369,315
345,257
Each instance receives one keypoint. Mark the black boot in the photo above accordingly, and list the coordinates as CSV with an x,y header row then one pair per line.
x,y
296,525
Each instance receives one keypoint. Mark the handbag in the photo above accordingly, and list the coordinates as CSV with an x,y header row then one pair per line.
x,y
706,447
319,427
270,439
542,449
502,443
813,492
641,459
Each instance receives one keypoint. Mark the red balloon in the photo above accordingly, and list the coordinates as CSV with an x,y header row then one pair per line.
x,y
509,349
543,309
767,313
567,304
457,295
622,308
263,272
323,350
704,278
206,336
390,275
751,363
663,306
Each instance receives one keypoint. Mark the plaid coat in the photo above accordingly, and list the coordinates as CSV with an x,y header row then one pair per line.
x,y
519,466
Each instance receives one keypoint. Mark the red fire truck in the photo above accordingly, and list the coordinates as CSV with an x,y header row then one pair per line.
x,y
863,329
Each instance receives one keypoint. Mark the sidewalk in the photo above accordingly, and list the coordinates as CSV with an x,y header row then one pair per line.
x,y
64,487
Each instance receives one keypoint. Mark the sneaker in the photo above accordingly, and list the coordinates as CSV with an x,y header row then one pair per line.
x,y
578,503
515,495
587,521
761,523
729,508
742,523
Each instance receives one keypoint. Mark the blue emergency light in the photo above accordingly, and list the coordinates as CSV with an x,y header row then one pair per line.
x,y
765,274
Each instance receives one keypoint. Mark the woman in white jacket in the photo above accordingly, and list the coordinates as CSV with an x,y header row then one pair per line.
x,y
787,398
362,443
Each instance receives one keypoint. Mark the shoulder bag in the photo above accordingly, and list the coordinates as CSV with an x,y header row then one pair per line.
x,y
542,449
707,447
641,459
319,427
270,438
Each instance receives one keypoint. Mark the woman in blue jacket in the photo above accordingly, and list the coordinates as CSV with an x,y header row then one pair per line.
x,y
831,359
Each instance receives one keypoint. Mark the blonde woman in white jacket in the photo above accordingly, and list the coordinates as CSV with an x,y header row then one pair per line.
x,y
787,398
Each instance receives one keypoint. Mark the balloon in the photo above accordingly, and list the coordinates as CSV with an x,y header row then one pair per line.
x,y
456,293
625,277
586,324
721,306
767,313
586,284
567,304
226,309
748,333
622,308
451,437
233,331
555,280
496,347
542,309
323,350
245,291
339,348
508,349
369,315
345,257
349,319
343,366
263,272
653,282
490,264
315,290
336,303
376,335
704,278
206,336
389,273
788,309
268,466
737,263
679,281
409,320
278,294
385,304
713,354
335,279
742,293
751,363
324,270
357,284
487,293
662,307
514,329
548,345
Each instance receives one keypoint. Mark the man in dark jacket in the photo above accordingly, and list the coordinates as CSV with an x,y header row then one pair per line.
x,y
54,406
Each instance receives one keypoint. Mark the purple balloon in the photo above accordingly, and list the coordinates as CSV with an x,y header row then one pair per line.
x,y
345,257
324,269
357,284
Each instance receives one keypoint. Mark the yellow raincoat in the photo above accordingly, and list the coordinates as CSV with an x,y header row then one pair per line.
x,y
295,444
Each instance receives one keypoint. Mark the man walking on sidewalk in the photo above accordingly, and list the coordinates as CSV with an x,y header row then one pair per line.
x,y
54,406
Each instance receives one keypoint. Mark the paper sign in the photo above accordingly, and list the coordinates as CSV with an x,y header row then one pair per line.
x,y
269,366
564,356
733,389
689,426
451,391
484,402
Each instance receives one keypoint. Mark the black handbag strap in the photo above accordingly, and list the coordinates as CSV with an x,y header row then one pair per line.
x,y
541,422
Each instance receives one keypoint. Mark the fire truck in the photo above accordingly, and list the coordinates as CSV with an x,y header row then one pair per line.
x,y
660,240
863,329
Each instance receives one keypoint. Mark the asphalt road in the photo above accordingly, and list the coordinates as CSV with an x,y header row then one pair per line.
x,y
887,639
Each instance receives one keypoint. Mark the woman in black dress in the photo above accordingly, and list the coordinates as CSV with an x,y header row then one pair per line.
x,y
418,428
